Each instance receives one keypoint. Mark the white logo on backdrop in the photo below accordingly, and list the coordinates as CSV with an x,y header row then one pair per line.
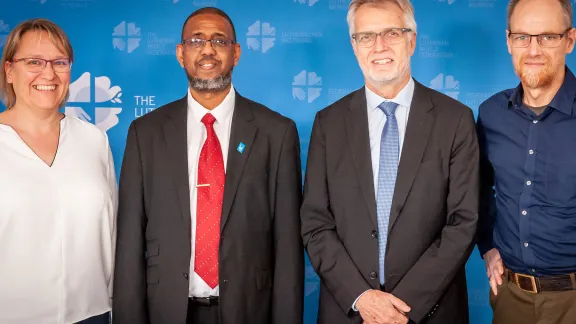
x,y
446,84
126,37
95,95
306,86
260,36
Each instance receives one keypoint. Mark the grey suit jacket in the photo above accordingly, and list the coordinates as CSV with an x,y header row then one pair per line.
x,y
261,253
433,216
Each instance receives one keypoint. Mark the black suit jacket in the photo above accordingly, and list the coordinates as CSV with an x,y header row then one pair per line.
x,y
261,253
433,216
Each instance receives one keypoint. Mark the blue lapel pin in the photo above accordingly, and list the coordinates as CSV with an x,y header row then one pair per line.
x,y
241,147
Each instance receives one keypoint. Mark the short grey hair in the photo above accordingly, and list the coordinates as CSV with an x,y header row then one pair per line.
x,y
566,6
405,5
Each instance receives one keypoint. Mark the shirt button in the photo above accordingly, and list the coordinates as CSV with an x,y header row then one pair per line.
x,y
533,270
524,212
528,182
525,244
373,275
374,234
535,121
185,275
531,152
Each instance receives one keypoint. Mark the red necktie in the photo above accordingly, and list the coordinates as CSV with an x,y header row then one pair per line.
x,y
210,189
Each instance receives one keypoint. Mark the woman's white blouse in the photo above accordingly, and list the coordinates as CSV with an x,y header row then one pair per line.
x,y
57,227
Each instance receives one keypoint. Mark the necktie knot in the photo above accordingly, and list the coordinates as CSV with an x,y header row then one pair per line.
x,y
388,107
208,119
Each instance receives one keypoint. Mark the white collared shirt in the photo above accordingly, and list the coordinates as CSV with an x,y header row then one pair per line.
x,y
377,120
196,136
57,227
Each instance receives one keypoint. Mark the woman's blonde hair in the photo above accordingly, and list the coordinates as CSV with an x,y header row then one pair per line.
x,y
56,34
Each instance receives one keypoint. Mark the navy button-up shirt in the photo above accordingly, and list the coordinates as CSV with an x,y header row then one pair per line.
x,y
528,170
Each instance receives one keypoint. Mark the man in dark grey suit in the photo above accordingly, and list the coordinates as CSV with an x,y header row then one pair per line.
x,y
210,191
391,192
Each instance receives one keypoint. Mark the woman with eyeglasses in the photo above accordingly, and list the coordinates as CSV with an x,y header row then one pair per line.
x,y
57,190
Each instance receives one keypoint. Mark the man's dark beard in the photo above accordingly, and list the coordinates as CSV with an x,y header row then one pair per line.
x,y
216,84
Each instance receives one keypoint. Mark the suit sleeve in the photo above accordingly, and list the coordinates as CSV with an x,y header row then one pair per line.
x,y
325,249
487,200
288,294
424,284
129,303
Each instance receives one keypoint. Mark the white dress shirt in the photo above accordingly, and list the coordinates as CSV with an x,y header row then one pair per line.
x,y
196,136
376,122
57,227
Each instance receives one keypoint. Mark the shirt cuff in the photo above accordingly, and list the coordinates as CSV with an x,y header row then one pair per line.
x,y
354,304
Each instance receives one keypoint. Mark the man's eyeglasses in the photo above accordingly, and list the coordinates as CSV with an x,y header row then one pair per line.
x,y
199,43
37,65
545,40
391,36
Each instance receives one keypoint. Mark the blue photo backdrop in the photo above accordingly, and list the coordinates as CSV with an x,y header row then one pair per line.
x,y
296,59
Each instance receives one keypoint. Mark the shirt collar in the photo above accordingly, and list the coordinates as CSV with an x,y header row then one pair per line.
x,y
404,97
221,112
563,101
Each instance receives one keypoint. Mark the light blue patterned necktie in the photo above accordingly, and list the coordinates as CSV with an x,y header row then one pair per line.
x,y
387,169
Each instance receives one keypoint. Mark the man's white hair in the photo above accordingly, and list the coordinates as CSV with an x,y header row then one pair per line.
x,y
405,5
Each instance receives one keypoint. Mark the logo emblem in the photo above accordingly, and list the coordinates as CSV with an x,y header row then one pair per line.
x,y
260,36
95,100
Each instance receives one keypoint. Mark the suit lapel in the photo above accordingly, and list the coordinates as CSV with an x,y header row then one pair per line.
x,y
175,136
243,131
359,143
420,123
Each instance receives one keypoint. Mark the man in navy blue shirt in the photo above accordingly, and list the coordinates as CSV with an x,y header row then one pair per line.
x,y
527,136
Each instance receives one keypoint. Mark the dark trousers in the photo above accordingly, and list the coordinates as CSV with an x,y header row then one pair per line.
x,y
202,314
98,319
515,306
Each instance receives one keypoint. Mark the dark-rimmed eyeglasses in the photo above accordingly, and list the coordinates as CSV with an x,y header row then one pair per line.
x,y
544,40
199,43
391,36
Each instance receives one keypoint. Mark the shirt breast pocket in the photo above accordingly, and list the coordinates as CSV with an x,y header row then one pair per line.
x,y
561,182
